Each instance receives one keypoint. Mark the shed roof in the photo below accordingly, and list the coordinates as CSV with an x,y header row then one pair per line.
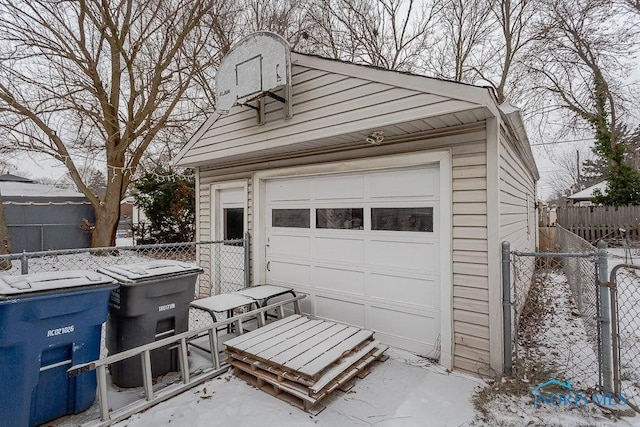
x,y
587,193
14,178
28,189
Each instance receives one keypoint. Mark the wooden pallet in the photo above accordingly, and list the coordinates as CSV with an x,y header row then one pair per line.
x,y
301,360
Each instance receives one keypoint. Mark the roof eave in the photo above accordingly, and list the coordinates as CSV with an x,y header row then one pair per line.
x,y
513,118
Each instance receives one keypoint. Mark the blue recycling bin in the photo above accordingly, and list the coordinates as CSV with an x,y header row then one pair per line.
x,y
48,323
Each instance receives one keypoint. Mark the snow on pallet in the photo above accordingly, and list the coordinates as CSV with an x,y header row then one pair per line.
x,y
302,360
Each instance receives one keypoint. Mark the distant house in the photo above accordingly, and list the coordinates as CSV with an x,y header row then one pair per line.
x,y
131,216
42,217
583,197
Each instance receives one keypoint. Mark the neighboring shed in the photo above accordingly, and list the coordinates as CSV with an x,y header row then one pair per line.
x,y
384,197
583,197
42,217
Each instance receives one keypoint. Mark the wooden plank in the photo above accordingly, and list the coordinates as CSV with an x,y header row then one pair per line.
x,y
294,341
312,351
270,326
358,367
308,344
315,366
341,366
243,346
299,391
307,328
274,369
265,332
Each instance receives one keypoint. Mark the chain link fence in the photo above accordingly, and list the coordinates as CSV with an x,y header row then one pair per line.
x,y
554,311
224,264
625,281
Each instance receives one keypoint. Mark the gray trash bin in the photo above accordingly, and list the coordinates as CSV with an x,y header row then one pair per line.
x,y
152,303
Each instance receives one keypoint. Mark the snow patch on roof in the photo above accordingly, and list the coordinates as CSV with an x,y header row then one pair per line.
x,y
30,189
587,193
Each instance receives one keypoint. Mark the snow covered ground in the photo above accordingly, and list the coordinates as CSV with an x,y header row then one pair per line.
x,y
408,390
405,390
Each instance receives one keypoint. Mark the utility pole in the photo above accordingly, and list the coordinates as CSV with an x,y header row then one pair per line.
x,y
579,184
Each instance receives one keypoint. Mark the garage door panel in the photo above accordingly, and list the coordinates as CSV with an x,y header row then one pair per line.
x,y
338,249
338,279
344,187
289,273
290,190
383,277
410,255
409,290
289,246
410,183
340,310
423,328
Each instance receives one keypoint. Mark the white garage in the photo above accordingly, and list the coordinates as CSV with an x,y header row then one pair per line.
x,y
382,195
364,246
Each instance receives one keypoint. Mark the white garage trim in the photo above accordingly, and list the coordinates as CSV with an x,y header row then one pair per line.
x,y
219,272
442,158
493,244
215,195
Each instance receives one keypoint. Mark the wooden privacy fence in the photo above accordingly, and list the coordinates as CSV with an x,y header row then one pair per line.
x,y
601,222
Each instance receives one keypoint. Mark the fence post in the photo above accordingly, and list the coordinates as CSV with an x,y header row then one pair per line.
x,y
506,306
247,260
24,263
605,317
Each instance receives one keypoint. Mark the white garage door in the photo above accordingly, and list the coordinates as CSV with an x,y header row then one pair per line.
x,y
364,247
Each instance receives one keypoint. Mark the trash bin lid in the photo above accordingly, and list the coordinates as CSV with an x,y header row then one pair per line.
x,y
12,286
144,271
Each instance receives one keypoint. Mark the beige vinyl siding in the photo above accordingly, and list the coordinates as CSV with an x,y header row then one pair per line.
x,y
470,256
325,105
470,252
517,208
517,199
203,218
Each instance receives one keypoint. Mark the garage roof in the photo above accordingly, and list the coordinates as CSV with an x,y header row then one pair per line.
x,y
337,104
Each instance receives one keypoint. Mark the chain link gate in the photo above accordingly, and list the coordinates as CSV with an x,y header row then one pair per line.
x,y
555,301
625,308
557,312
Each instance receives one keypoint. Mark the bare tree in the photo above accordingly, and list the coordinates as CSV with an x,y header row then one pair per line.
x,y
466,26
572,171
514,19
287,18
578,59
98,80
392,34
633,5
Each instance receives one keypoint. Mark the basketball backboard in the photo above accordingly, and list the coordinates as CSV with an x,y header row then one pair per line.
x,y
255,67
